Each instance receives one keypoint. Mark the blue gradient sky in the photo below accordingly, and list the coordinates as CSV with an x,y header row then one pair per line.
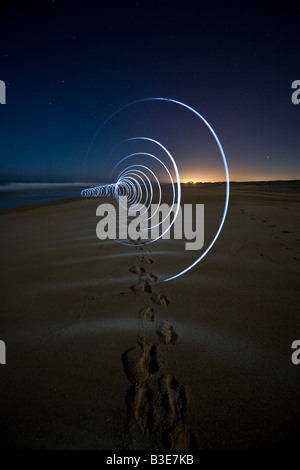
x,y
68,66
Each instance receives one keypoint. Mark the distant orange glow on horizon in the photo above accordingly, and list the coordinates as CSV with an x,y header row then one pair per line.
x,y
237,177
195,181
209,173
214,177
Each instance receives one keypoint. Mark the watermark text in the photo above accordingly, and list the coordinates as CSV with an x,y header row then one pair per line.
x,y
296,354
152,222
296,94
2,92
2,352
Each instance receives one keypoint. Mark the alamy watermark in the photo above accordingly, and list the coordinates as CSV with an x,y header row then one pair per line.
x,y
2,92
296,354
152,222
2,352
296,94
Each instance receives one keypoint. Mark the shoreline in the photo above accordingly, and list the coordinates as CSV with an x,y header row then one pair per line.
x,y
262,188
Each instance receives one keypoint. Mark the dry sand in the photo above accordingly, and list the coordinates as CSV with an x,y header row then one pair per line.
x,y
101,356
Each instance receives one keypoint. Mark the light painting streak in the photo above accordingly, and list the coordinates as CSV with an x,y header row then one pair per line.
x,y
128,185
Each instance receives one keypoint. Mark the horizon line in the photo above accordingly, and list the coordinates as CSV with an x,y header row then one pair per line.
x,y
74,180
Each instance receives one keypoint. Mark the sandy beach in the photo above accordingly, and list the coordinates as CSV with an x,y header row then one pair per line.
x,y
101,355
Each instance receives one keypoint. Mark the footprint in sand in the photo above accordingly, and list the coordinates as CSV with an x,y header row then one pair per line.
x,y
144,259
160,299
156,403
137,269
140,361
139,248
142,288
166,333
160,411
147,313
148,277
148,360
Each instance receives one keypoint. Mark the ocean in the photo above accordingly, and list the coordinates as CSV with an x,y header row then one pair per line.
x,y
18,194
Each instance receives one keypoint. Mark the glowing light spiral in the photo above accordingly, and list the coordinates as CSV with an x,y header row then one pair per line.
x,y
135,180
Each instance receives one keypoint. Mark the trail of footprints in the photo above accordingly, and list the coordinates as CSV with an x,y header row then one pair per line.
x,y
156,400
276,232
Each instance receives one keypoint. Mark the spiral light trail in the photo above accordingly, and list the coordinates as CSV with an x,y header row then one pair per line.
x,y
136,181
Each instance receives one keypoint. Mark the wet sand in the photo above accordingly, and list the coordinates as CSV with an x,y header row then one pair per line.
x,y
102,356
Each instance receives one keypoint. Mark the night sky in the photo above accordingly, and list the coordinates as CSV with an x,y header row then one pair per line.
x,y
69,65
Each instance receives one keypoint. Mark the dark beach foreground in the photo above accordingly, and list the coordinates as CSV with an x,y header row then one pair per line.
x,y
101,355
